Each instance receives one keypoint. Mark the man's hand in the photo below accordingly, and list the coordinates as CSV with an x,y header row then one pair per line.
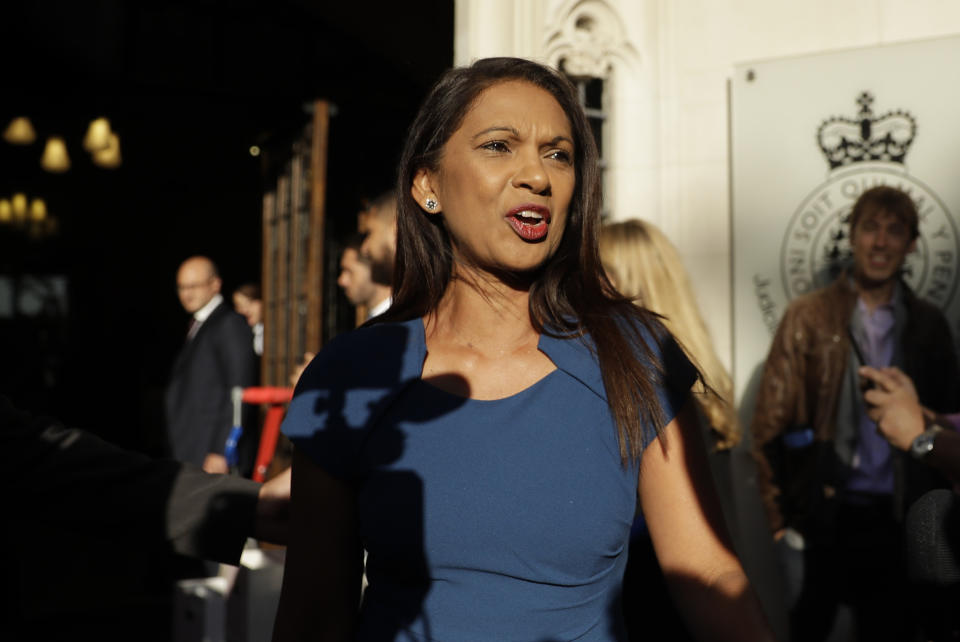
x,y
272,521
214,463
893,405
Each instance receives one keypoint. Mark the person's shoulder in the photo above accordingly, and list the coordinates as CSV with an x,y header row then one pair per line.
x,y
926,320
643,333
820,296
350,382
225,315
371,341
920,306
835,300
645,330
370,355
641,329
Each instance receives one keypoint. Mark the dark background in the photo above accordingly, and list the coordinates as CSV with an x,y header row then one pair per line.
x,y
188,86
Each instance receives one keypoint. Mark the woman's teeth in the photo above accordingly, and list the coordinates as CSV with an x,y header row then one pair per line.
x,y
529,217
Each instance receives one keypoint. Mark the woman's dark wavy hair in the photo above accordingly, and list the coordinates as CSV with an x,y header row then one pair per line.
x,y
571,296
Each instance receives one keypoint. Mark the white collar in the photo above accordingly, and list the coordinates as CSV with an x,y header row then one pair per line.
x,y
380,308
203,313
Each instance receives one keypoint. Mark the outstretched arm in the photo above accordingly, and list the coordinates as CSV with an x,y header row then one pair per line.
x,y
690,538
69,478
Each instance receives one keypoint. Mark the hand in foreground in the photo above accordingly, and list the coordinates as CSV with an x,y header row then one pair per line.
x,y
894,405
297,371
272,520
214,463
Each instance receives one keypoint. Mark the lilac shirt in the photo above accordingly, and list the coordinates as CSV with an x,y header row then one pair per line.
x,y
872,461
953,420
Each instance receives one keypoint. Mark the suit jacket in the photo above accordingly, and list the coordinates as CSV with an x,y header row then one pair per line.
x,y
199,411
71,479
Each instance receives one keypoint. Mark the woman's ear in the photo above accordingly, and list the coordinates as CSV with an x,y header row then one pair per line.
x,y
423,192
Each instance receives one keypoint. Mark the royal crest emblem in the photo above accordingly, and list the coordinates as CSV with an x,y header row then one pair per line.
x,y
862,153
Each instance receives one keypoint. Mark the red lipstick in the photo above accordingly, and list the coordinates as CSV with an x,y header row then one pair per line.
x,y
529,221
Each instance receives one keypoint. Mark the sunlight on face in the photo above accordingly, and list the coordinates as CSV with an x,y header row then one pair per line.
x,y
505,179
196,284
880,244
354,278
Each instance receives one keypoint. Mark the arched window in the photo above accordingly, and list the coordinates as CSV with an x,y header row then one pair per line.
x,y
585,42
590,89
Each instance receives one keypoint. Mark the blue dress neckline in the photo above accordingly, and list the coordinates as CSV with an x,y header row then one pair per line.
x,y
421,338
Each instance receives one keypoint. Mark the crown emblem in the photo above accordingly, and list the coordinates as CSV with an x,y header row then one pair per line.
x,y
867,138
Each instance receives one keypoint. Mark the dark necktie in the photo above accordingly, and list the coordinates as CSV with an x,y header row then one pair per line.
x,y
192,328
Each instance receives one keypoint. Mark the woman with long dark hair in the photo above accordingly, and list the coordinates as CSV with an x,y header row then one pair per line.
x,y
485,439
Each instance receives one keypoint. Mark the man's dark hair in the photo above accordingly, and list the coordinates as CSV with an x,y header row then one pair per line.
x,y
354,242
890,200
384,206
249,290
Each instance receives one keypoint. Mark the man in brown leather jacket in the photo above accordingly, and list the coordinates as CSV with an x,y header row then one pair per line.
x,y
831,485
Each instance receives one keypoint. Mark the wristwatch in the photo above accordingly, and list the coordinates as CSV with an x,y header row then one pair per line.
x,y
922,444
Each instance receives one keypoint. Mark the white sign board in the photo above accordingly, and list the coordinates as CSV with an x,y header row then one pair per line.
x,y
809,135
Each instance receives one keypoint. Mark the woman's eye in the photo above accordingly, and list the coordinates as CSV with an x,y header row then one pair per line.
x,y
561,155
496,146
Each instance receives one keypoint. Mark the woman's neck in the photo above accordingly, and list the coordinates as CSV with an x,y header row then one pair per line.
x,y
483,313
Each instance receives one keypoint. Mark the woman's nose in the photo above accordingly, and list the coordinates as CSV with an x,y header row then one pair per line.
x,y
532,175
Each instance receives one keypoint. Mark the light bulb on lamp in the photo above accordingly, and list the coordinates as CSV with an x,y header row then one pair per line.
x,y
20,132
98,135
109,157
55,158
38,210
18,207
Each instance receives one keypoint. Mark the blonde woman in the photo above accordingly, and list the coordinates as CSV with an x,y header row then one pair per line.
x,y
645,266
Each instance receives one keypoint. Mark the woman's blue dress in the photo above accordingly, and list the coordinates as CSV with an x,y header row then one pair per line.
x,y
483,520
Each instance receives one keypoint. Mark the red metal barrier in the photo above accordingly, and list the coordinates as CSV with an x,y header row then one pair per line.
x,y
277,399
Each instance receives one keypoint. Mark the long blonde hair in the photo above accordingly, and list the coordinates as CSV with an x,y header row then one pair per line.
x,y
644,265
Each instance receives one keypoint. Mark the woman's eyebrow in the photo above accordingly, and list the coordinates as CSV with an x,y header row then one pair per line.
x,y
516,134
498,128
557,139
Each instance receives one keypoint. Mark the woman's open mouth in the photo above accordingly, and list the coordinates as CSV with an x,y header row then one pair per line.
x,y
529,221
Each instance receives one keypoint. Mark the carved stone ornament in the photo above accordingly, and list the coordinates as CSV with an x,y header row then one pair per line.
x,y
585,37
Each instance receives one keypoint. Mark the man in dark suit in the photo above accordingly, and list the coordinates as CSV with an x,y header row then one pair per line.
x,y
218,355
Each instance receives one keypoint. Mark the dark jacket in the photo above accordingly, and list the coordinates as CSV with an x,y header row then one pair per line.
x,y
800,389
199,411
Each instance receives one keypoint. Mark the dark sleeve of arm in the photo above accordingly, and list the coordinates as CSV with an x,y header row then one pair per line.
x,y
680,375
946,455
948,372
238,365
72,479
774,411
210,516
